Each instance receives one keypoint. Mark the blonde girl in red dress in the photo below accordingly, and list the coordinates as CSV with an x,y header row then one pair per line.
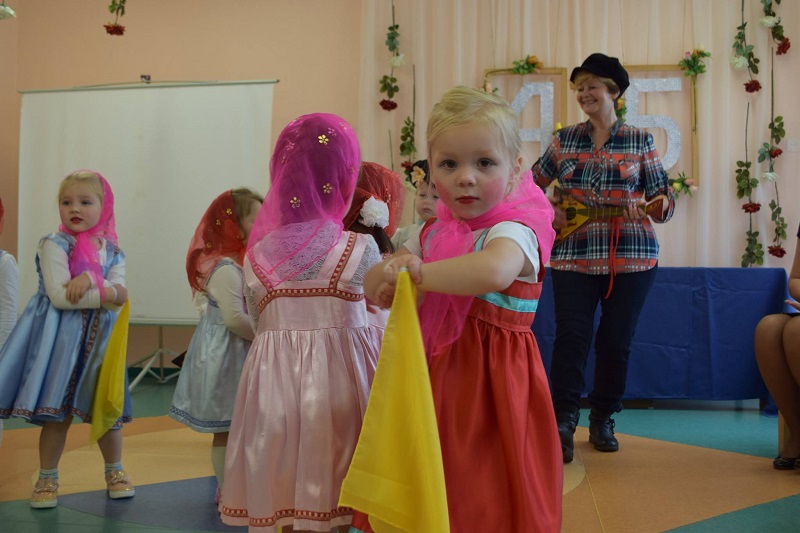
x,y
480,266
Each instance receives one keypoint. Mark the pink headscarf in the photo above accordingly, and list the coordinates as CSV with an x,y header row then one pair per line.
x,y
443,315
314,170
85,257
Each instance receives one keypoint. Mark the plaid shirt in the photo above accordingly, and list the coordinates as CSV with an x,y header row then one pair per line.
x,y
618,174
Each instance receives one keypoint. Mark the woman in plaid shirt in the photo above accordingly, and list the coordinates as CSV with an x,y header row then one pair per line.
x,y
612,261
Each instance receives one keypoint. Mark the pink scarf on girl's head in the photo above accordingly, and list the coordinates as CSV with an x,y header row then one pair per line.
x,y
313,169
442,316
85,257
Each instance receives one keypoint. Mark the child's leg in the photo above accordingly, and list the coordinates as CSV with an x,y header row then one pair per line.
x,y
119,485
111,446
218,447
52,439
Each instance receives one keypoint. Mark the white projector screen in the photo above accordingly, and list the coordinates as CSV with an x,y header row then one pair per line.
x,y
167,150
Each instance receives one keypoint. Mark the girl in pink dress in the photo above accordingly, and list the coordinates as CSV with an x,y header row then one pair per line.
x,y
481,263
306,379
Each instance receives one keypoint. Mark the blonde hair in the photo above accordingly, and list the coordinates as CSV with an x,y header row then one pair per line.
x,y
242,198
85,177
464,105
584,75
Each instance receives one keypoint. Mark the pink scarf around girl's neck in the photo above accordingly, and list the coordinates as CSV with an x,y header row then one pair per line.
x,y
442,315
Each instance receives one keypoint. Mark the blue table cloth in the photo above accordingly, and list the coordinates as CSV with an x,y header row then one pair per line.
x,y
694,339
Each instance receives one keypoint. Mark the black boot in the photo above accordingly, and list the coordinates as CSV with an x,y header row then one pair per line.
x,y
601,431
566,429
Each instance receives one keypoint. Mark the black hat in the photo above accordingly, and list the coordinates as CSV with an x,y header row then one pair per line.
x,y
605,67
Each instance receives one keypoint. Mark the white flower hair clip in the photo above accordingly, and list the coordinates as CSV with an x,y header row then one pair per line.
x,y
374,213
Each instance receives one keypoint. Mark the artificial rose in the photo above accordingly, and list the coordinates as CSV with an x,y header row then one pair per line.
x,y
407,165
397,60
114,29
769,176
783,46
751,207
777,250
739,62
388,105
775,153
533,60
6,12
770,22
752,86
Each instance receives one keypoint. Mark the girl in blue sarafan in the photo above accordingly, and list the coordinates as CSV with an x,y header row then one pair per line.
x,y
50,364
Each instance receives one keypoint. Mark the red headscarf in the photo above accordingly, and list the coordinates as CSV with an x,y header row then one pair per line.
x,y
85,257
218,235
377,181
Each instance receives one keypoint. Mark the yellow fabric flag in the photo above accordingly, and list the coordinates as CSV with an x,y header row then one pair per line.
x,y
396,476
109,397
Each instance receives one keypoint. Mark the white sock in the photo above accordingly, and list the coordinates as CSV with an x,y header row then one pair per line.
x,y
218,462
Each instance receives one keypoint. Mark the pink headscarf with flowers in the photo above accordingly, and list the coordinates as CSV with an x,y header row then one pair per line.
x,y
314,170
85,257
442,316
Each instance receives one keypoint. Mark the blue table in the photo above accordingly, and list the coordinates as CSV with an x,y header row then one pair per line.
x,y
695,335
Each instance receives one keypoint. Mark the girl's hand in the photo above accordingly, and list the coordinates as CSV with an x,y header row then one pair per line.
x,y
793,304
77,287
410,262
116,294
122,294
384,295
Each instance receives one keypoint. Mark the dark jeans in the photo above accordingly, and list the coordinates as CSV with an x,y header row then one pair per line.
x,y
576,297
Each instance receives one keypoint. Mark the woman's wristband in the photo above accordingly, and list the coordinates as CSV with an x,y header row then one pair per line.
x,y
114,300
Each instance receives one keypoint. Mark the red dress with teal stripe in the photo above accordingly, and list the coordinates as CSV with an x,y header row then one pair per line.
x,y
502,456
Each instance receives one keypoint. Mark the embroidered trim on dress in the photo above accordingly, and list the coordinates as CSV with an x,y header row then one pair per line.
x,y
288,513
331,290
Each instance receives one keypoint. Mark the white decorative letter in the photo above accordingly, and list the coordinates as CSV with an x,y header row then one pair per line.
x,y
664,122
544,134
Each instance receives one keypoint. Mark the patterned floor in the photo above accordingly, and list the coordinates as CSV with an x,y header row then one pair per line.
x,y
683,466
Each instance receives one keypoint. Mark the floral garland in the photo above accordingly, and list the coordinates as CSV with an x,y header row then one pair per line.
x,y
770,151
745,58
692,65
118,8
772,21
388,85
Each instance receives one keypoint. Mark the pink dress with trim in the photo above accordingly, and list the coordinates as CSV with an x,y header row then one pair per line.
x,y
302,396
